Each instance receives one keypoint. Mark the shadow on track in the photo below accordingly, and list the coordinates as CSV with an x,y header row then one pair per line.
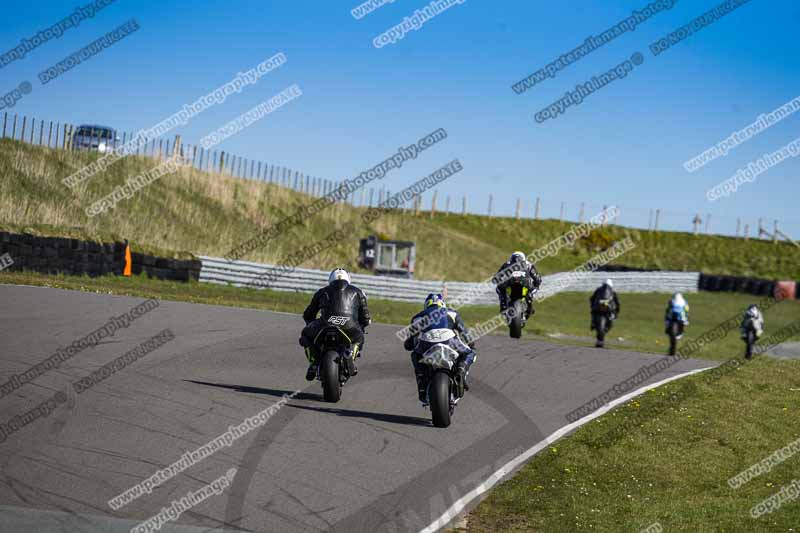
x,y
381,417
279,393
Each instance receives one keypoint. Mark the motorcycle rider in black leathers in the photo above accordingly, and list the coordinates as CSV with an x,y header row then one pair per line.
x,y
436,315
517,262
604,292
339,299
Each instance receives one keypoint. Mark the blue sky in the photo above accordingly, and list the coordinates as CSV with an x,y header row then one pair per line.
x,y
624,145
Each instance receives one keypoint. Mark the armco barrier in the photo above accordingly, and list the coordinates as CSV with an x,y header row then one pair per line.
x,y
246,274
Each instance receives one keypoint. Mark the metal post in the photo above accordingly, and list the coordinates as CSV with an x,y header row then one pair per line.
x,y
518,206
464,205
738,226
658,215
708,222
22,133
536,213
49,135
775,232
5,121
447,205
746,232
433,203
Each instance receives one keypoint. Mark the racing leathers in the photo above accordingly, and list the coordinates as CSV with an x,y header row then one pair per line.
x,y
677,309
752,314
505,276
431,318
340,304
604,300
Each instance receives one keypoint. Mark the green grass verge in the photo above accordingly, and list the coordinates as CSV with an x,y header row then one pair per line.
x,y
664,457
211,214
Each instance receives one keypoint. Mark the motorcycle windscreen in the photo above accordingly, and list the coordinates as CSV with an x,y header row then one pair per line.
x,y
439,356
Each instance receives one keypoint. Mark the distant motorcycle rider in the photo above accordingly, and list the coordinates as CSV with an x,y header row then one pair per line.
x,y
752,313
435,315
677,307
338,299
604,300
517,263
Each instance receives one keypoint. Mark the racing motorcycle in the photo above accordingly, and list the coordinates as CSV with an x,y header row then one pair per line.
x,y
674,330
749,336
336,362
516,291
439,359
602,320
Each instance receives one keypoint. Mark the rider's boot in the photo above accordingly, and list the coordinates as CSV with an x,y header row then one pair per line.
x,y
461,379
530,310
311,373
422,386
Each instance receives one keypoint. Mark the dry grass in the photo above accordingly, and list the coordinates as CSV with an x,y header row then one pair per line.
x,y
210,214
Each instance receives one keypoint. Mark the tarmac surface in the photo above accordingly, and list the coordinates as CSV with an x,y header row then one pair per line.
x,y
370,463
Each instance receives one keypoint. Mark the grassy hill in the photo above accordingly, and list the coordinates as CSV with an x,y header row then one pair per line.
x,y
210,214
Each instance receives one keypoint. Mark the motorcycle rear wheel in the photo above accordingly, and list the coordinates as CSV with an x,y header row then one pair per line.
x,y
673,338
440,399
329,375
515,326
602,322
750,340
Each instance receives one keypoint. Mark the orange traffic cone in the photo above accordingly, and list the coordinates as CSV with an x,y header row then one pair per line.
x,y
128,262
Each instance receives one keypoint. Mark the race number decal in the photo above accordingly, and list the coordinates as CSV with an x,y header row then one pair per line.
x,y
338,320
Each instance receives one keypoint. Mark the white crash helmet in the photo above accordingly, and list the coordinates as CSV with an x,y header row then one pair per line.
x,y
677,299
609,283
519,256
339,274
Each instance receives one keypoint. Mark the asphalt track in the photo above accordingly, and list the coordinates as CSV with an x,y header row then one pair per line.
x,y
371,463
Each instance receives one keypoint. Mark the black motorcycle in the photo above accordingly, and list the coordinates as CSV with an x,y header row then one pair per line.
x,y
602,316
336,362
444,390
516,292
749,337
674,330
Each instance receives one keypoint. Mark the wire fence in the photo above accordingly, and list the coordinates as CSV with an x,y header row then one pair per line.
x,y
64,136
